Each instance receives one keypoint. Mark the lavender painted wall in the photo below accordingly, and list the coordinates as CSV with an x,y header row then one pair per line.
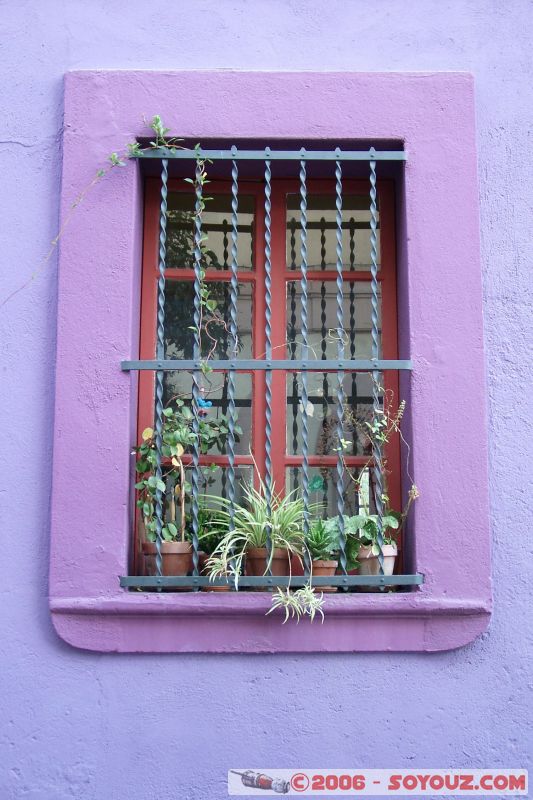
x,y
93,726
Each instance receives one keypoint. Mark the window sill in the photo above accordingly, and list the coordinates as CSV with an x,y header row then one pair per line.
x,y
236,623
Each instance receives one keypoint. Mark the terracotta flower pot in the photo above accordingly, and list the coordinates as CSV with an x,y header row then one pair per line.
x,y
177,558
324,569
369,564
216,588
257,559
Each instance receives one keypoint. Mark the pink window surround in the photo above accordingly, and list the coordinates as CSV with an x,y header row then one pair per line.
x,y
439,286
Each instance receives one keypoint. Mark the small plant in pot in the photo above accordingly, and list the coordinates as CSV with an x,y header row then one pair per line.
x,y
323,548
364,546
177,437
176,549
213,528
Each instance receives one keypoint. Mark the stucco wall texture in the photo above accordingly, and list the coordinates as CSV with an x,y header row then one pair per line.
x,y
89,726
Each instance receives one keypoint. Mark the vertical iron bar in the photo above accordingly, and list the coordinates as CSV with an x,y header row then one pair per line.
x,y
323,348
196,389
268,349
225,243
233,337
376,375
292,351
340,372
354,403
159,376
305,354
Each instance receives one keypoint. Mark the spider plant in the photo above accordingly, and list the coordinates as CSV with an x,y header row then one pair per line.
x,y
251,521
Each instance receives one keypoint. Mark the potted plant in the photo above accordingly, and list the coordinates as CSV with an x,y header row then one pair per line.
x,y
363,533
323,548
177,437
213,528
244,545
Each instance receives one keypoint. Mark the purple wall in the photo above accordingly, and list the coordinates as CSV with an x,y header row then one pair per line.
x,y
93,726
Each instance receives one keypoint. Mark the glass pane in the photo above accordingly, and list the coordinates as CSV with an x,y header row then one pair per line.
x,y
214,483
322,232
357,489
323,439
215,391
216,341
216,225
322,319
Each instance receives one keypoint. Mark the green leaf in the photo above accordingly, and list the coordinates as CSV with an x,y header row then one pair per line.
x,y
167,536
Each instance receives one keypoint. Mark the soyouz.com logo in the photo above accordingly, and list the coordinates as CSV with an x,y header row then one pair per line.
x,y
350,782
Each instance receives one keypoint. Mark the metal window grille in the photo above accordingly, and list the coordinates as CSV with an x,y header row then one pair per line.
x,y
343,364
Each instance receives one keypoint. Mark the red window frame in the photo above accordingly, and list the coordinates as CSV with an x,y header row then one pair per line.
x,y
281,275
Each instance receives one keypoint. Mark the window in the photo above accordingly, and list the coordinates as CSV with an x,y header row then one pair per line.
x,y
303,445
438,278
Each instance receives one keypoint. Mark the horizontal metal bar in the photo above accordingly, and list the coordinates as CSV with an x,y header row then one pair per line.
x,y
312,365
275,155
150,582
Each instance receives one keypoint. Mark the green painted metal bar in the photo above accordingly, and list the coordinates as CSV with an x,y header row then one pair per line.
x,y
149,582
275,155
361,365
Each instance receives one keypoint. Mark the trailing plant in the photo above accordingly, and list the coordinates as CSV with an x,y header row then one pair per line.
x,y
178,436
251,521
300,603
378,431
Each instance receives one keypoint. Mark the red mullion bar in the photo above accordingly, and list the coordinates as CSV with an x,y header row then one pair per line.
x,y
279,335
211,276
258,344
326,461
330,275
218,460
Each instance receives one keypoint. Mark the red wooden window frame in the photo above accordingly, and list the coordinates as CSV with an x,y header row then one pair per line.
x,y
281,275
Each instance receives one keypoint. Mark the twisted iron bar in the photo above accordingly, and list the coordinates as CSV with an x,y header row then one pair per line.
x,y
376,375
268,346
159,376
292,351
340,372
234,340
196,391
352,325
323,348
305,353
